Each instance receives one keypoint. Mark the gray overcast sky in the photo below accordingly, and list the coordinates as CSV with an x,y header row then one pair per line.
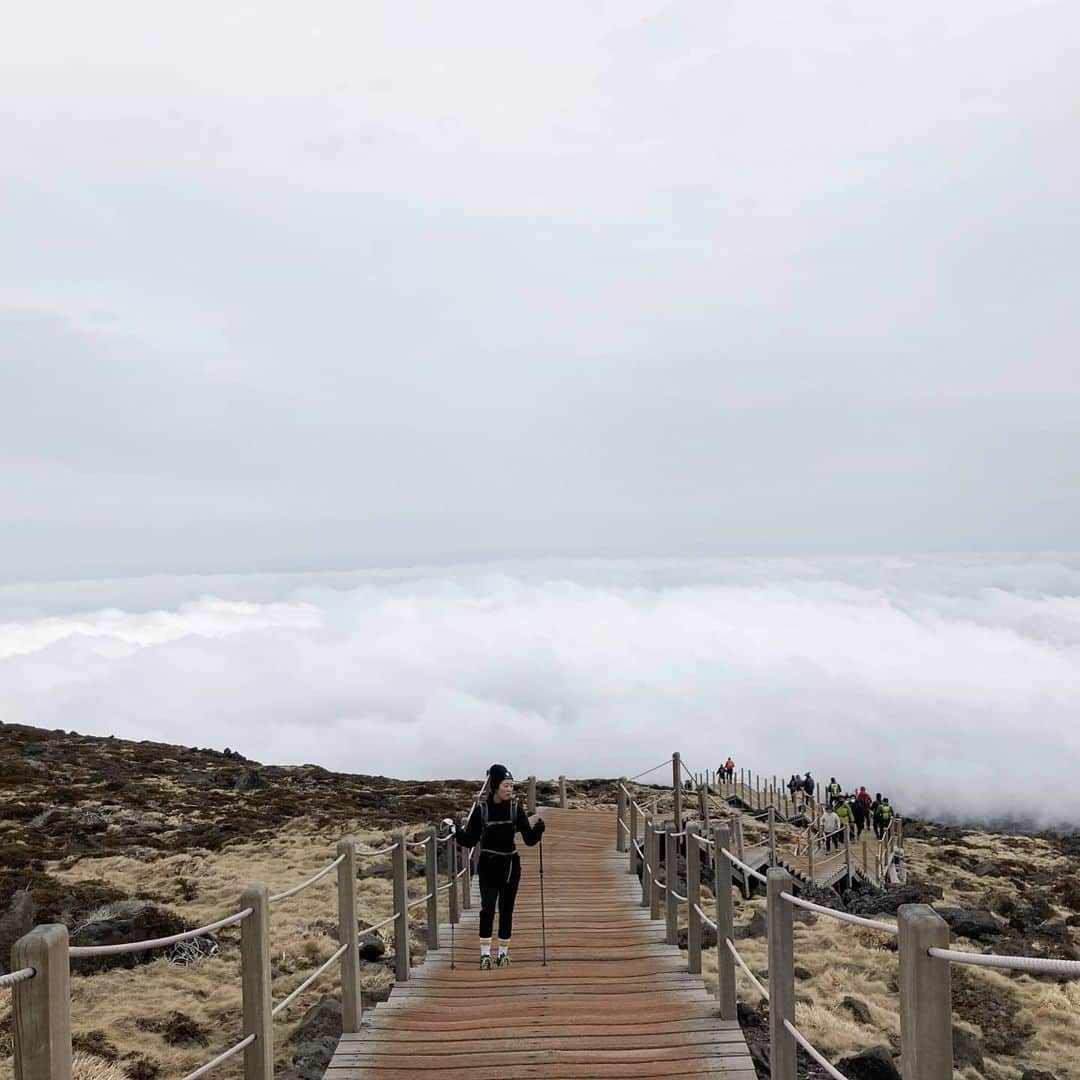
x,y
291,284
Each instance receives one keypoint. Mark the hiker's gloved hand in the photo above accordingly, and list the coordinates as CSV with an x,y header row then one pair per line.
x,y
540,826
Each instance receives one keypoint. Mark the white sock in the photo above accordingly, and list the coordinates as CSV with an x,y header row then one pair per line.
x,y
485,949
504,949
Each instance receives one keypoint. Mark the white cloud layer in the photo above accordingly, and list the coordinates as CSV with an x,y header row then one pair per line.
x,y
951,684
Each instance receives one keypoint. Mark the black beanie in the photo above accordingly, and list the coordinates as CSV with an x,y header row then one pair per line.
x,y
496,775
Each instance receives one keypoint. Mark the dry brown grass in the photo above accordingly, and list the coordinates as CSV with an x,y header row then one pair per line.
x,y
91,1067
843,960
209,991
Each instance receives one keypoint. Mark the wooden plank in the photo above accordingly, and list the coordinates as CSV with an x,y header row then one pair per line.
x,y
672,1035
619,1070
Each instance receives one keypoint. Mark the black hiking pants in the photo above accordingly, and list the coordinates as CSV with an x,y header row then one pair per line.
x,y
499,877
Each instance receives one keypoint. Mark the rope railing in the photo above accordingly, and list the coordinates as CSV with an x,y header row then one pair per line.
x,y
419,900
746,869
380,851
842,916
1033,964
662,764
812,1050
77,951
705,918
285,1002
213,1063
13,977
310,881
746,969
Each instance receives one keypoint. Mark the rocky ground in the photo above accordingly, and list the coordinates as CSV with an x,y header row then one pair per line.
x,y
124,840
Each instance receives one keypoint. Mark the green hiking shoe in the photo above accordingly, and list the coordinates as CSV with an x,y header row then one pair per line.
x,y
503,961
485,963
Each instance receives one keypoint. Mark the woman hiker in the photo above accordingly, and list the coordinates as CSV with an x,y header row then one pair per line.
x,y
494,822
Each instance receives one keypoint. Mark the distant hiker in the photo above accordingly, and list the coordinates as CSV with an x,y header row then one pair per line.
x,y
846,813
861,810
809,788
834,791
729,768
794,785
875,815
883,815
830,829
494,822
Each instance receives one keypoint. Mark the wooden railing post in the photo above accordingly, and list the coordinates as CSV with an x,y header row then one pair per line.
x,y
468,864
452,868
671,881
255,979
530,791
676,774
772,835
725,925
634,861
693,899
926,1050
401,909
562,792
646,848
757,782
620,814
740,851
654,877
41,1006
781,977
703,800
431,885
811,851
847,853
348,935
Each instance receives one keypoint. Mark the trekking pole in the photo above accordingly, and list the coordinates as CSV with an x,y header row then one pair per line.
x,y
543,920
451,899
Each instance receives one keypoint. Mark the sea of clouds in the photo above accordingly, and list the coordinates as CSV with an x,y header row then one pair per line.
x,y
952,684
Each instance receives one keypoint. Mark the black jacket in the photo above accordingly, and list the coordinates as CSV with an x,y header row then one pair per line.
x,y
501,828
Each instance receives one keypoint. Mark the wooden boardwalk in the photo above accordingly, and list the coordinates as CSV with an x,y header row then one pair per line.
x,y
613,1001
